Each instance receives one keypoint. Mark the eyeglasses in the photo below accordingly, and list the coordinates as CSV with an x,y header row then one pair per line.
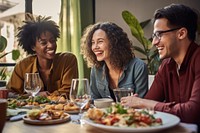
x,y
157,34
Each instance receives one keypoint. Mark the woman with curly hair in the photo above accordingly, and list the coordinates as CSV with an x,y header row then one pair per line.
x,y
38,38
107,49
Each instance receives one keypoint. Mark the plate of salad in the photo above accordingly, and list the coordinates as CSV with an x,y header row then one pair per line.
x,y
119,119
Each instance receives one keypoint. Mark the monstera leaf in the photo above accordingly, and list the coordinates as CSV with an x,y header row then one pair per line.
x,y
150,53
3,43
15,55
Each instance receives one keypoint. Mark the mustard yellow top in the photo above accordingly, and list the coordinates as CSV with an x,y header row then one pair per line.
x,y
64,68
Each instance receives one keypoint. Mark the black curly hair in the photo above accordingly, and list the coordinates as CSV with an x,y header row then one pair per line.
x,y
179,15
32,29
121,48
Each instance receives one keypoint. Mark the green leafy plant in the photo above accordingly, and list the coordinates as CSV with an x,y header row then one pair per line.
x,y
150,53
3,45
15,56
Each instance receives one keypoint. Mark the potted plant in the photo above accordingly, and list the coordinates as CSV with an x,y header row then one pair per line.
x,y
150,53
15,56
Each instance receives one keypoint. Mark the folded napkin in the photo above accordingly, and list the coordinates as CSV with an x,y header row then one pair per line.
x,y
14,112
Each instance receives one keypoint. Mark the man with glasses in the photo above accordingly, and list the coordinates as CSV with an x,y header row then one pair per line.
x,y
176,87
38,38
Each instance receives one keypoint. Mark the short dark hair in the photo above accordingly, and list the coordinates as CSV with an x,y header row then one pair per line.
x,y
179,15
121,48
33,29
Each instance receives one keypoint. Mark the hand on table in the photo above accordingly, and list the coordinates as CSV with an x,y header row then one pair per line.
x,y
137,102
131,101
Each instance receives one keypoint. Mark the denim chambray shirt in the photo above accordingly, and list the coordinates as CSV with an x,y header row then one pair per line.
x,y
135,76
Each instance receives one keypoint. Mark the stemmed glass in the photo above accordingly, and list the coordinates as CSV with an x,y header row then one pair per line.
x,y
80,94
32,83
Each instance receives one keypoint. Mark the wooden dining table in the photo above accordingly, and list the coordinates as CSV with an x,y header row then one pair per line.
x,y
71,127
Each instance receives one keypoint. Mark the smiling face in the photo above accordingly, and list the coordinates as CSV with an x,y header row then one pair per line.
x,y
168,45
100,45
45,46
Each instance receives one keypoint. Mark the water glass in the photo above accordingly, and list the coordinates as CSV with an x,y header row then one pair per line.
x,y
122,92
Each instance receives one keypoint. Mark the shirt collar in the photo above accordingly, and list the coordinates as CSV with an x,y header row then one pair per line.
x,y
36,65
191,49
35,68
193,46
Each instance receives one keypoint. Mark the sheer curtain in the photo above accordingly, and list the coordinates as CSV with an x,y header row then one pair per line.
x,y
70,27
75,15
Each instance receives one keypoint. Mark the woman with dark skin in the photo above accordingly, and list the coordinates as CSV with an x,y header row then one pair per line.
x,y
107,49
38,38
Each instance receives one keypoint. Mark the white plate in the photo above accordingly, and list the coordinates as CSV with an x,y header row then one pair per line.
x,y
168,120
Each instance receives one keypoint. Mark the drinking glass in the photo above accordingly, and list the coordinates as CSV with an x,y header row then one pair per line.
x,y
80,93
122,92
32,83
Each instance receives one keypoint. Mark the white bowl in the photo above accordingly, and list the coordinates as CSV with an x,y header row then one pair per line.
x,y
103,102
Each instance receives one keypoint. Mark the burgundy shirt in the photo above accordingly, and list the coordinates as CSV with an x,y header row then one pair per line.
x,y
179,94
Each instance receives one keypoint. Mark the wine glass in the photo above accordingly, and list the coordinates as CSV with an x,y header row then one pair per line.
x,y
80,94
32,83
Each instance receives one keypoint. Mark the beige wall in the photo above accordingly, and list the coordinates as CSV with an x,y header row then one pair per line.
x,y
110,10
